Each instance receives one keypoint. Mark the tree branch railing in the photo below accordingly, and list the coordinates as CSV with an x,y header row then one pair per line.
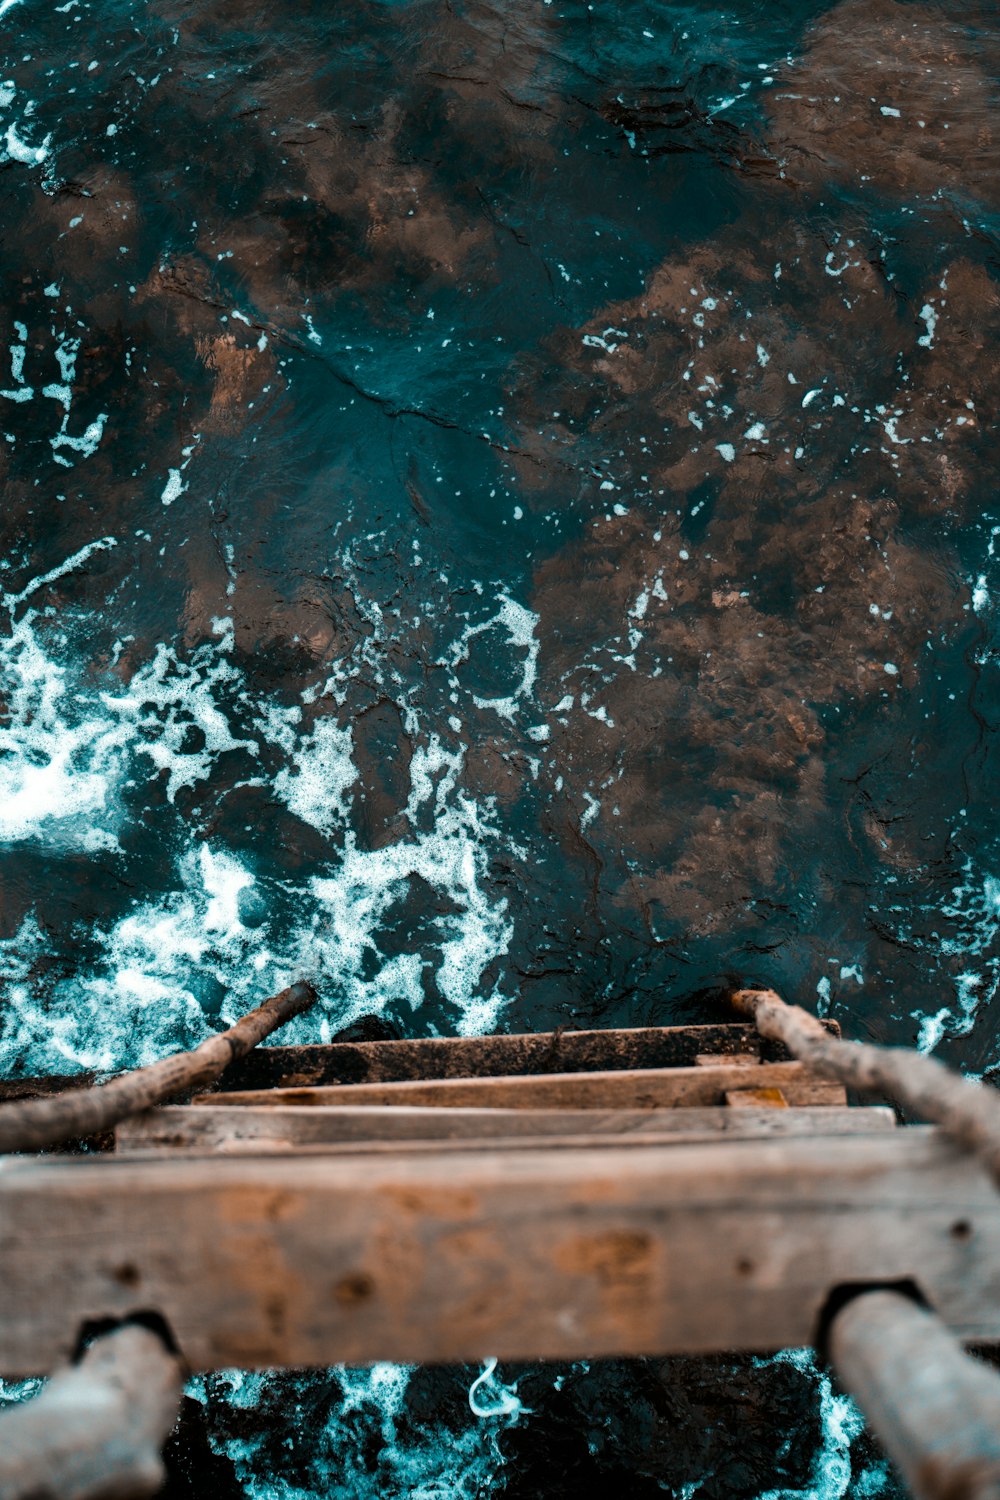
x,y
32,1124
966,1110
97,1429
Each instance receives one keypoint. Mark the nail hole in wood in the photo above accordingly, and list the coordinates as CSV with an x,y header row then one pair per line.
x,y
354,1288
961,1229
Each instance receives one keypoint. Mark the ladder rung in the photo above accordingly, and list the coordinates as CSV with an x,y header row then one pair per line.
x,y
206,1127
640,1088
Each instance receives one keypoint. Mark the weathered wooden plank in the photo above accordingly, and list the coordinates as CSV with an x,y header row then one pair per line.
x,y
197,1127
735,1060
36,1088
460,1057
491,1056
642,1088
523,1254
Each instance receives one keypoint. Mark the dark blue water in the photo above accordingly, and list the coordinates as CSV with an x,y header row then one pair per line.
x,y
499,515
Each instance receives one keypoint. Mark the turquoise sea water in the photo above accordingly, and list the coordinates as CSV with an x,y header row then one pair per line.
x,y
498,513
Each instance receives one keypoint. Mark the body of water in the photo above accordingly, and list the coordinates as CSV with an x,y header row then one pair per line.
x,y
499,515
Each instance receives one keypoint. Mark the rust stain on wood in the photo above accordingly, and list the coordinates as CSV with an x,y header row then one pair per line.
x,y
252,1206
434,1202
756,1099
619,1259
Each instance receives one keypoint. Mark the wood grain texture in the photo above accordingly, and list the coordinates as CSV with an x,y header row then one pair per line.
x,y
641,1088
934,1408
523,1254
34,1088
96,1429
196,1127
464,1057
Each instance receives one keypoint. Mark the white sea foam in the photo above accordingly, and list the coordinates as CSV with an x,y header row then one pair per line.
x,y
171,696
353,903
518,624
152,981
840,1425
490,1397
61,755
26,152
103,544
315,787
86,442
416,1458
973,915
159,971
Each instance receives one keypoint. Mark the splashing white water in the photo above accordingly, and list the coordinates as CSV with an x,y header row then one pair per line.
x,y
369,1447
167,972
841,1423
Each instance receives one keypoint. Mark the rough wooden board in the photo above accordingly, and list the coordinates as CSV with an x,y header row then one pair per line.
x,y
643,1088
399,1149
208,1127
456,1057
524,1254
489,1056
34,1088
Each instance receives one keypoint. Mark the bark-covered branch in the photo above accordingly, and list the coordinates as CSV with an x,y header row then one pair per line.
x,y
96,1429
30,1124
966,1110
934,1408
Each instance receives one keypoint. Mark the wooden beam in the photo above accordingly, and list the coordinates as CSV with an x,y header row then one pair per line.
x,y
197,1127
643,1088
561,1254
465,1057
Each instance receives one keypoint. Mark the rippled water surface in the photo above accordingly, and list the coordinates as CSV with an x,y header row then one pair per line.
x,y
499,513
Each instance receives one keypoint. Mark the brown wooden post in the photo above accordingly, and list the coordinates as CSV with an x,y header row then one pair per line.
x,y
30,1124
934,1408
966,1110
96,1429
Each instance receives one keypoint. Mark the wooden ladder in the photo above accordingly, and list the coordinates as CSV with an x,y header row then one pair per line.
x,y
573,1194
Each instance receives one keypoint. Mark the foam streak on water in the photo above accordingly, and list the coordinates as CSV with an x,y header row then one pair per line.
x,y
70,750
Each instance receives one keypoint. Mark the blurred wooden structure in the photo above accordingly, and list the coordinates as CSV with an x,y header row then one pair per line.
x,y
578,1194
